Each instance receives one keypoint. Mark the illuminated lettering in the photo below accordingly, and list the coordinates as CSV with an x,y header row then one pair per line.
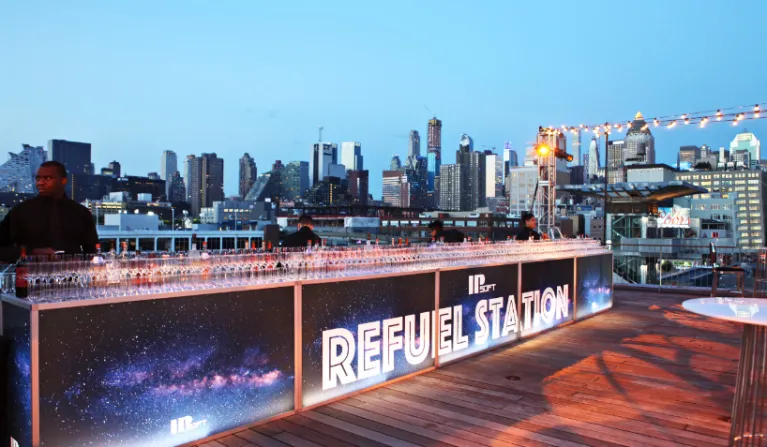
x,y
337,355
495,305
480,337
392,341
510,322
367,349
460,340
445,331
417,355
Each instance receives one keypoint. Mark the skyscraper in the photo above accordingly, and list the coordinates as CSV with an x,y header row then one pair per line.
x,y
177,191
295,180
688,156
392,187
576,147
76,157
18,173
414,145
205,181
168,165
248,174
474,180
396,163
351,155
594,160
494,175
640,144
452,196
615,151
748,141
323,155
358,187
434,153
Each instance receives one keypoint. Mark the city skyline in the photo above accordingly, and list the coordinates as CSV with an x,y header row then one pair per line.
x,y
200,98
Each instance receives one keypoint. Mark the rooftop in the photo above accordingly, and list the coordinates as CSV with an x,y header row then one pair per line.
x,y
644,191
645,373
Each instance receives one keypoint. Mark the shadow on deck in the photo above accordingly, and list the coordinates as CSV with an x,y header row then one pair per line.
x,y
645,373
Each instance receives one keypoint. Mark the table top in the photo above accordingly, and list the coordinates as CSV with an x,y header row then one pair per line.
x,y
738,310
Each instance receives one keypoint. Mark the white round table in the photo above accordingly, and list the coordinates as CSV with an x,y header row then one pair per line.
x,y
748,409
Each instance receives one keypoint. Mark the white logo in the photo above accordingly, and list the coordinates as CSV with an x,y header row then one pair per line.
x,y
14,443
477,284
185,424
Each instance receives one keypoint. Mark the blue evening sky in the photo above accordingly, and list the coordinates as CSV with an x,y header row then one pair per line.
x,y
137,77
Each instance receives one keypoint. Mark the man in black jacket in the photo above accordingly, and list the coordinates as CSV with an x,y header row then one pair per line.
x,y
304,236
529,223
50,222
438,233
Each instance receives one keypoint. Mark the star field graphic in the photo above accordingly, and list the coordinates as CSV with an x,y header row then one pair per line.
x,y
119,374
454,291
540,276
595,284
16,328
350,303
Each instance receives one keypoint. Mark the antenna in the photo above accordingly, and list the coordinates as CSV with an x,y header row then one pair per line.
x,y
321,129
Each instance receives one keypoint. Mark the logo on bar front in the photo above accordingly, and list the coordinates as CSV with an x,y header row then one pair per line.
x,y
477,284
185,424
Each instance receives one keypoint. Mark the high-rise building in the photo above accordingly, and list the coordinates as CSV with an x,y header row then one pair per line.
x,y
434,154
615,155
741,157
520,188
18,173
76,157
494,175
594,160
392,187
177,190
640,144
295,180
168,165
688,156
576,139
358,187
248,174
205,182
154,176
113,169
748,141
452,195
751,188
396,163
474,182
510,158
323,155
351,155
414,145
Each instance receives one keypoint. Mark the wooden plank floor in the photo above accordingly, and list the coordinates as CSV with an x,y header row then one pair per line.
x,y
646,373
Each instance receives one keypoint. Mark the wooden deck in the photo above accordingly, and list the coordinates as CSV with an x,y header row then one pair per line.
x,y
645,373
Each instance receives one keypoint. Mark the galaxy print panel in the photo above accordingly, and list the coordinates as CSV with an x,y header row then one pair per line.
x,y
547,295
595,285
165,372
357,334
16,328
478,310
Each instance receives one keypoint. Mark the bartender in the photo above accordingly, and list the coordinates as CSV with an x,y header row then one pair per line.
x,y
529,224
48,223
305,235
438,233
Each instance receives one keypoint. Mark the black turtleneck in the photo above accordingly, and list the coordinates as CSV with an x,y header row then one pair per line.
x,y
44,222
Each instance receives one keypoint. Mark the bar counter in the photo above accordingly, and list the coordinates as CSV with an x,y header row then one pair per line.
x,y
178,367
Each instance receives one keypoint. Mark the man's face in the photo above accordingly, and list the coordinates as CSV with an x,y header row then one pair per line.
x,y
433,232
49,182
532,223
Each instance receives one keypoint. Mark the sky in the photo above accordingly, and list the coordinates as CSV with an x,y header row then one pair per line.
x,y
139,77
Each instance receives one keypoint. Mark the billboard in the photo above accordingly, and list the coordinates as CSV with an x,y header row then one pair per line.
x,y
674,217
595,285
481,307
16,327
547,295
165,372
359,333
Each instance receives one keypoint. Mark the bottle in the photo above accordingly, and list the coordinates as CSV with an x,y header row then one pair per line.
x,y
22,284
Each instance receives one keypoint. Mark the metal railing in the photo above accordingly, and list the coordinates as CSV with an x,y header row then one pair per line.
x,y
683,264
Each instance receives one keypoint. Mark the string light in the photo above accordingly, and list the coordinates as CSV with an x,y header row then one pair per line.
x,y
702,118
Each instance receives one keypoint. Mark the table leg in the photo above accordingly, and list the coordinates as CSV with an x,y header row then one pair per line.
x,y
748,415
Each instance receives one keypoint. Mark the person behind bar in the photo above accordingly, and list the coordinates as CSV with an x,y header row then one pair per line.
x,y
50,222
529,223
304,236
438,232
